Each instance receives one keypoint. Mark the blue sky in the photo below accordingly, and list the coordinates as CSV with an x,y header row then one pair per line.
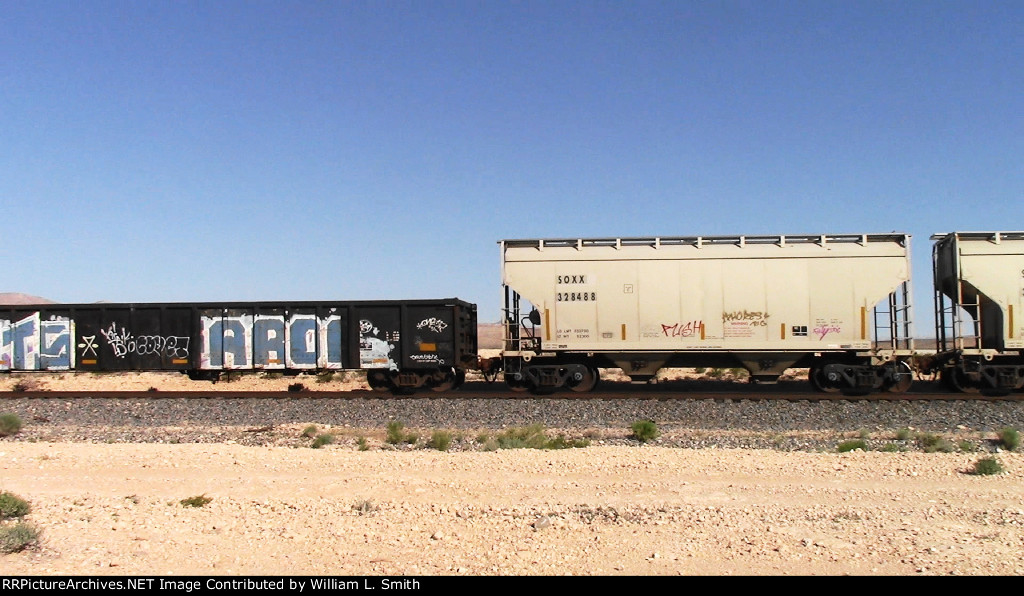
x,y
187,151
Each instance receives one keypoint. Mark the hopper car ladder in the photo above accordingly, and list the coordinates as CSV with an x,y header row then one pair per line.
x,y
893,323
949,319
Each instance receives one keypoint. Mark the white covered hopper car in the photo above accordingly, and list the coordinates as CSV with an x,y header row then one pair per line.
x,y
979,307
836,304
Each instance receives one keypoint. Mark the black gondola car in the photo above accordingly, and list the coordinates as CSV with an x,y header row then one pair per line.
x,y
401,344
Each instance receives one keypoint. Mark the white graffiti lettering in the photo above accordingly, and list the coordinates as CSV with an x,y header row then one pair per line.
x,y
123,343
89,345
375,352
426,358
434,324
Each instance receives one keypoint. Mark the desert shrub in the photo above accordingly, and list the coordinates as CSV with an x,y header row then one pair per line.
x,y
864,434
987,466
440,440
11,506
522,437
560,442
966,446
716,373
325,376
1009,438
904,434
310,431
487,442
852,445
364,507
17,537
532,437
395,433
891,448
931,443
196,501
10,424
645,430
362,444
321,440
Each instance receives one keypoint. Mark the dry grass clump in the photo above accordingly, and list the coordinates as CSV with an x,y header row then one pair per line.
x,y
321,440
10,424
440,440
987,466
644,430
19,535
1009,438
196,501
396,434
532,437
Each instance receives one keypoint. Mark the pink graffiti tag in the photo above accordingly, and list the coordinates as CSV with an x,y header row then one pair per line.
x,y
822,330
687,329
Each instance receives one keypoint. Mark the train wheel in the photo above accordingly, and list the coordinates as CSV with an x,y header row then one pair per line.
x,y
957,380
460,378
514,385
378,381
450,382
996,392
587,383
819,381
447,385
904,378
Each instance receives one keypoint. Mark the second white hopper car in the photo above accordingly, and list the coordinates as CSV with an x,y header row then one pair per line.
x,y
979,308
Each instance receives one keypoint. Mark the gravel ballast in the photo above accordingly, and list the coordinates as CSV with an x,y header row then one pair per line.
x,y
762,424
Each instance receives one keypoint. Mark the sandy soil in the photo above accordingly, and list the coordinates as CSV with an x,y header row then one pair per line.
x,y
116,509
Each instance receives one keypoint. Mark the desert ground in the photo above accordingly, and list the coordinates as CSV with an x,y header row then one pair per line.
x,y
117,508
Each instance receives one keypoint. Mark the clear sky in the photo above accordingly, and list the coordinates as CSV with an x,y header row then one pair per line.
x,y
218,150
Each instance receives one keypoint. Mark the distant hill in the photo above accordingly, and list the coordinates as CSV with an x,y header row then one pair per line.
x,y
489,335
19,298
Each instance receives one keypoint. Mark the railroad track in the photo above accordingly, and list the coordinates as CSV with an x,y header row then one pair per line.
x,y
794,392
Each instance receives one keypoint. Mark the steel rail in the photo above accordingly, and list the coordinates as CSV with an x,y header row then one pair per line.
x,y
483,391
